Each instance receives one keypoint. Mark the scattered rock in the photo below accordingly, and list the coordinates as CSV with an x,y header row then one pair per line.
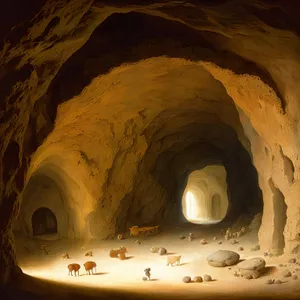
x,y
233,242
280,265
255,248
154,249
292,261
186,279
207,277
236,274
223,258
248,276
294,277
240,249
144,278
89,253
182,237
138,242
278,281
203,242
271,254
215,238
229,268
270,281
162,251
198,279
286,273
252,267
297,269
266,253
220,243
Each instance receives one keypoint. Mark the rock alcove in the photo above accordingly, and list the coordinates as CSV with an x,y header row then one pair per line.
x,y
112,105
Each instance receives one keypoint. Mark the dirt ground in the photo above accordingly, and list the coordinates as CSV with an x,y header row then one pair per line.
x,y
126,276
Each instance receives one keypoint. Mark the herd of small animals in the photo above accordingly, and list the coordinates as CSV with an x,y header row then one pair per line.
x,y
231,258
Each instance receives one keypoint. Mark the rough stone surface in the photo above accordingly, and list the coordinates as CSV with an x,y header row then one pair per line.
x,y
197,279
223,258
106,120
186,279
255,264
207,277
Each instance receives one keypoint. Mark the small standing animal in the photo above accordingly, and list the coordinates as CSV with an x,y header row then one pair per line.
x,y
90,253
147,273
173,259
73,267
90,266
65,256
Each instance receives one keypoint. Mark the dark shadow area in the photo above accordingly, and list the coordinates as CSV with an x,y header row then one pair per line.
x,y
33,288
44,222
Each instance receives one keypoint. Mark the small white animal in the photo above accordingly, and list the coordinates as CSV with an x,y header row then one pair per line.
x,y
174,259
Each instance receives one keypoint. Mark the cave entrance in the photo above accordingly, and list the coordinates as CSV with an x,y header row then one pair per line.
x,y
205,197
43,222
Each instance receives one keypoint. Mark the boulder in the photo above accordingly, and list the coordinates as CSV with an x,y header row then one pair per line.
x,y
223,258
251,268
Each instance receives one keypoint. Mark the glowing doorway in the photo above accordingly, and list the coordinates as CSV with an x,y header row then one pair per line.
x,y
190,204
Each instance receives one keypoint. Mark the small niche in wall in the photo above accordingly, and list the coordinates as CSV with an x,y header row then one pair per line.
x,y
44,222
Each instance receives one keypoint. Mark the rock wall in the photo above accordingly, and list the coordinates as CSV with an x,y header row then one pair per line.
x,y
190,75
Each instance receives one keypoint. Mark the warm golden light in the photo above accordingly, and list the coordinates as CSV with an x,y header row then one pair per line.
x,y
190,205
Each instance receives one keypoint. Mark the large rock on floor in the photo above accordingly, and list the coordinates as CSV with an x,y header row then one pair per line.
x,y
223,258
252,268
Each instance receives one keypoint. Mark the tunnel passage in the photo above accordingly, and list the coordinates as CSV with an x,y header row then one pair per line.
x,y
43,222
205,199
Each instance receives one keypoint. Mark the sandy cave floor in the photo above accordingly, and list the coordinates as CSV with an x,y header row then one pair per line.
x,y
127,275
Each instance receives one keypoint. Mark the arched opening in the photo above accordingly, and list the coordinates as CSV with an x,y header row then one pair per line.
x,y
216,212
43,222
205,198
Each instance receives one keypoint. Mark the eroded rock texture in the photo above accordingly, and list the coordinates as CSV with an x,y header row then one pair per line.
x,y
125,100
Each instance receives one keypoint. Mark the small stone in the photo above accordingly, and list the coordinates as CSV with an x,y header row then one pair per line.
x,y
266,253
280,265
182,237
229,268
162,251
255,248
220,243
240,249
144,278
233,242
207,277
137,242
186,279
215,238
270,281
297,269
248,276
278,281
286,273
154,249
271,254
292,261
197,279
203,242
294,277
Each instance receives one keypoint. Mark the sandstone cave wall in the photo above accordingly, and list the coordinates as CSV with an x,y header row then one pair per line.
x,y
255,58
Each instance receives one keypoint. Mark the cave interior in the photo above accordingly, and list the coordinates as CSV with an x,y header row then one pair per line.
x,y
182,115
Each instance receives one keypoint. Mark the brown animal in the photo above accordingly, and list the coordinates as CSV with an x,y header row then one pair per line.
x,y
65,256
122,256
73,267
174,259
115,252
90,266
90,253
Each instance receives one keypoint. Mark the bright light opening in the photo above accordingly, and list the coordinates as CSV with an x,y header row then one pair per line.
x,y
205,197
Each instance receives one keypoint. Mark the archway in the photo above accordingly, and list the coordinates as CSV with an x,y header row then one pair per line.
x,y
43,222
